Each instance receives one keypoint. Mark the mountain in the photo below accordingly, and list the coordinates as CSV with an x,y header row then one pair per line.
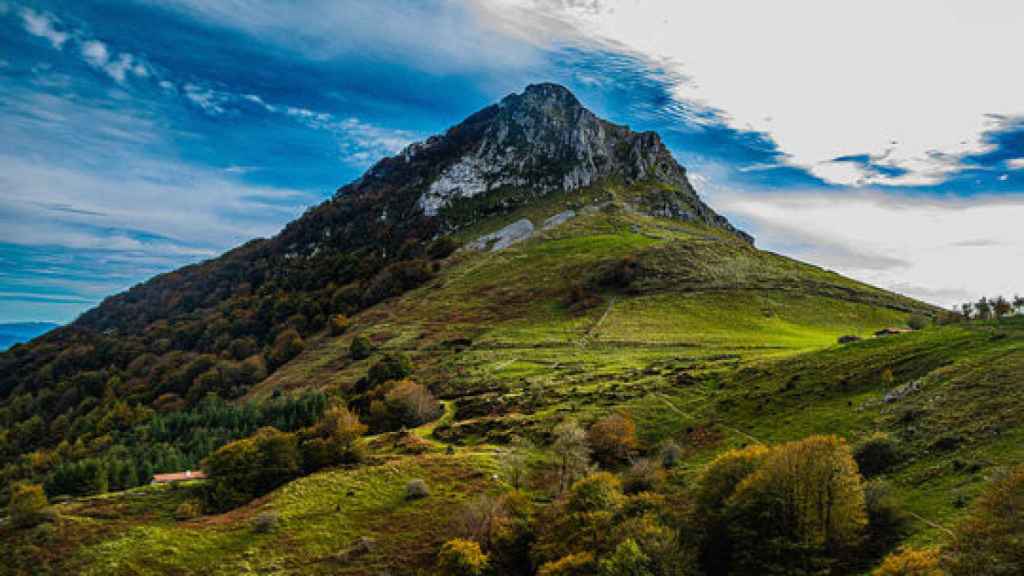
x,y
533,263
17,332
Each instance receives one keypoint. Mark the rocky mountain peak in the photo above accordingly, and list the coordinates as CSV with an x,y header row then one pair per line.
x,y
527,146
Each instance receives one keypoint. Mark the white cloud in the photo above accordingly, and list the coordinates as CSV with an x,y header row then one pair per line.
x,y
211,101
942,250
98,56
914,79
1015,164
95,53
43,25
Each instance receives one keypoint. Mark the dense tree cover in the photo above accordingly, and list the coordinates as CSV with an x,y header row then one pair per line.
x,y
128,444
218,327
255,465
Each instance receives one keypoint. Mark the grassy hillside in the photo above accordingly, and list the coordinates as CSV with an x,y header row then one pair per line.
x,y
705,340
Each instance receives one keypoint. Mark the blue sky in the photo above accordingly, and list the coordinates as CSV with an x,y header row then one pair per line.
x,y
139,136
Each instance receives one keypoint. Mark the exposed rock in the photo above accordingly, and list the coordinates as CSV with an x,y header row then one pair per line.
x,y
558,219
515,232
901,392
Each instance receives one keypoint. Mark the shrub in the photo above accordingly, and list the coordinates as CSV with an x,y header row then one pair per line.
x,y
990,540
581,564
338,324
910,562
395,279
336,439
27,505
886,520
287,345
361,348
416,489
918,321
265,522
612,439
460,557
409,404
849,338
643,475
189,509
671,454
389,367
442,248
877,454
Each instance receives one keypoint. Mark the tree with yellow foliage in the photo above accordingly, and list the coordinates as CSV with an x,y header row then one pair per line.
x,y
799,510
990,542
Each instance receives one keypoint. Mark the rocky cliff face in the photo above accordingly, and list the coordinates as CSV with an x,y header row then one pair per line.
x,y
531,144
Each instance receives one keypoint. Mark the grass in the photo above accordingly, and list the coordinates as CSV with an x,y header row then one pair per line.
x,y
714,344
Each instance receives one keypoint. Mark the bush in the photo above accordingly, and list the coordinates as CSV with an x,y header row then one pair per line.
x,y
416,489
287,345
338,324
389,367
336,439
877,454
442,248
361,348
918,321
408,404
990,541
396,279
612,439
643,475
189,509
460,557
671,454
27,505
849,338
886,519
910,562
266,522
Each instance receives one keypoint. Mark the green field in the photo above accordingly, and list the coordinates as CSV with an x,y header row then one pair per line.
x,y
495,335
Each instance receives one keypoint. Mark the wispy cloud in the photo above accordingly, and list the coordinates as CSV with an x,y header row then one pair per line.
x,y
44,25
97,55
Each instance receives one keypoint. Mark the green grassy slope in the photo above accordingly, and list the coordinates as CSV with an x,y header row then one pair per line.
x,y
711,343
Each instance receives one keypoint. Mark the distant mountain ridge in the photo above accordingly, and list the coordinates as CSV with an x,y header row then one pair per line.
x,y
18,332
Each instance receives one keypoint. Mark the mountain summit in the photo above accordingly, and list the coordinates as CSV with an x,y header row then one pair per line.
x,y
503,157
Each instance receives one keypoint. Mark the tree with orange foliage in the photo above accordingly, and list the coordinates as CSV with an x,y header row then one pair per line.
x,y
612,439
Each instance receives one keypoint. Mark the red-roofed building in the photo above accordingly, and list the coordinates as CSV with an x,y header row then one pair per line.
x,y
178,476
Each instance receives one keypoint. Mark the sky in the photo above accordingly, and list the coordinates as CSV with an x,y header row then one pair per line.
x,y
882,140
